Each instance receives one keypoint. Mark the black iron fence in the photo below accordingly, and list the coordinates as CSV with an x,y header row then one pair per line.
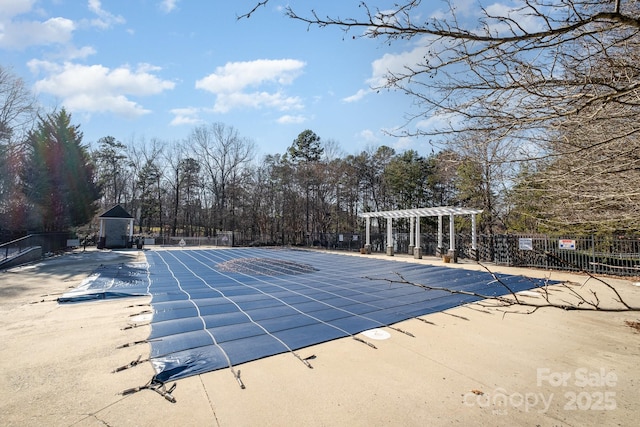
x,y
612,255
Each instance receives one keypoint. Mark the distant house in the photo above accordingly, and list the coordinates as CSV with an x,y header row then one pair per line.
x,y
116,229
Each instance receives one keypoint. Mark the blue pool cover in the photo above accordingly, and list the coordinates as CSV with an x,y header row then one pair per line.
x,y
216,309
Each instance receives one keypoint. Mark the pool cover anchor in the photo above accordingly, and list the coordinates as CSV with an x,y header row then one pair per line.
x,y
236,375
401,331
131,344
133,326
364,342
130,365
304,360
155,385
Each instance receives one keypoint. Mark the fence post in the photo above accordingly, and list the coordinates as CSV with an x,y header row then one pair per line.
x,y
546,250
593,254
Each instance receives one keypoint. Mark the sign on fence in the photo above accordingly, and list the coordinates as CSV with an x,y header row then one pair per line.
x,y
567,244
525,244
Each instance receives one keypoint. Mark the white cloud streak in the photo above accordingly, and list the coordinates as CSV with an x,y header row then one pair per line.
x,y
291,120
168,6
186,116
104,19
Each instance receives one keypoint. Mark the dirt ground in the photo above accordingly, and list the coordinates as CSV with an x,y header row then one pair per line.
x,y
465,366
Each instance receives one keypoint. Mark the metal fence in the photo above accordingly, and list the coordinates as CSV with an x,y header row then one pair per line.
x,y
224,238
611,255
46,242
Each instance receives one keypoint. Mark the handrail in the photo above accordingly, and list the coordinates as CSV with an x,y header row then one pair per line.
x,y
5,247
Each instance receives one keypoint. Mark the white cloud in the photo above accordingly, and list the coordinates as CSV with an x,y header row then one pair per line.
x,y
462,8
526,21
230,83
11,8
168,6
395,63
83,52
357,96
236,76
21,34
95,88
392,64
368,135
230,101
105,19
186,116
289,120
403,143
444,121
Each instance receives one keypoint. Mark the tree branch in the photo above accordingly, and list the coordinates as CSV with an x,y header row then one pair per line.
x,y
502,302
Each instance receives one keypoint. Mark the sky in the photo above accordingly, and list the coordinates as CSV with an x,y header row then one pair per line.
x,y
155,69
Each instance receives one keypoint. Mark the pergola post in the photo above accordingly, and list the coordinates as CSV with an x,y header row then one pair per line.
x,y
389,236
417,251
474,238
367,242
414,216
412,245
452,239
439,248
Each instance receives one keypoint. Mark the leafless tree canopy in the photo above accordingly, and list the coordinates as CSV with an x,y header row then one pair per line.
x,y
18,107
556,82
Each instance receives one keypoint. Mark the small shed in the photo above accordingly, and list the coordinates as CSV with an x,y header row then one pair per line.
x,y
116,229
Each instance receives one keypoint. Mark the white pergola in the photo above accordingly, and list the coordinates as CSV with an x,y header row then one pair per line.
x,y
414,216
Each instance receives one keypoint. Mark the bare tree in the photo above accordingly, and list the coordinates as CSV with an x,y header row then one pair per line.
x,y
223,153
18,113
510,66
18,108
595,294
535,73
483,172
183,180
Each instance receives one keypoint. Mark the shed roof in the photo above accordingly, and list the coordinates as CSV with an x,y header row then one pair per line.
x,y
116,212
421,212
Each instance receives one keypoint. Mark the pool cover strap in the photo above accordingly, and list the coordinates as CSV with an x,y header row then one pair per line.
x,y
157,386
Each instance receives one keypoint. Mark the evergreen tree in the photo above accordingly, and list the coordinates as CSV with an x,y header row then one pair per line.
x,y
305,152
306,147
59,175
111,175
406,176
